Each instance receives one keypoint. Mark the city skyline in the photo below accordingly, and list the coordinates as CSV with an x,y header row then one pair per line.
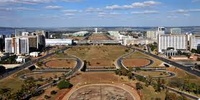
x,y
88,13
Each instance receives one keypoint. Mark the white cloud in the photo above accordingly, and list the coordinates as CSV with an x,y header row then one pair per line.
x,y
25,9
25,1
69,14
146,12
185,10
91,10
172,17
53,7
17,9
72,0
195,1
108,14
71,11
134,5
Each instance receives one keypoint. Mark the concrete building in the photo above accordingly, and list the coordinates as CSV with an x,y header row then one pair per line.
x,y
2,42
80,33
170,43
152,35
21,45
9,45
161,30
55,42
34,54
43,33
195,42
175,30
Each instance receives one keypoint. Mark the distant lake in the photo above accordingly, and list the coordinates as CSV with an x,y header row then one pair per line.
x,y
7,31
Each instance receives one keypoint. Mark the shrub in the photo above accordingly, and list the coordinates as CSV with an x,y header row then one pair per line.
x,y
53,92
47,97
64,84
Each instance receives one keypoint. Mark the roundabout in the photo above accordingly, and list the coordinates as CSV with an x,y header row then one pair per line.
x,y
102,92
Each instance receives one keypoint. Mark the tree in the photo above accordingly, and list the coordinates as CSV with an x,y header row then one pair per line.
x,y
170,96
138,86
40,63
5,93
2,69
194,50
64,84
158,85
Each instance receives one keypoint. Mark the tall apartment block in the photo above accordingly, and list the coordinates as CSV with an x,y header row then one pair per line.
x,y
176,41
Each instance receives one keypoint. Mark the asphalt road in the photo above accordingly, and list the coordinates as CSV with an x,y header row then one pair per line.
x,y
119,60
187,69
28,64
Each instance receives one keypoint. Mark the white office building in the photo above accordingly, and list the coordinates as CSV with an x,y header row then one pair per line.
x,y
9,45
175,41
195,42
161,30
152,35
55,42
175,30
17,45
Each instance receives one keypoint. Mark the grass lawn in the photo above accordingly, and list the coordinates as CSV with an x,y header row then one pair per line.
x,y
184,75
149,94
98,55
13,81
138,54
46,75
153,73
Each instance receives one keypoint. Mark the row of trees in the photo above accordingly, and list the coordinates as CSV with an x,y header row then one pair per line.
x,y
174,96
185,85
9,60
124,72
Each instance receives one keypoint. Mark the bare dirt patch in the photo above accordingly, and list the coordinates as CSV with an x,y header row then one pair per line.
x,y
60,63
101,92
138,54
135,62
99,36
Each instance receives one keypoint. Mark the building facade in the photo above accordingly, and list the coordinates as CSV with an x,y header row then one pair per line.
x,y
55,42
17,45
152,35
175,30
175,41
195,42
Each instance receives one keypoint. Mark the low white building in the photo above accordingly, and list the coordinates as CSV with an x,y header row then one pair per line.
x,y
34,54
57,42
21,59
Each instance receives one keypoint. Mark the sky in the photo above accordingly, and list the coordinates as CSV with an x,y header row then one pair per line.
x,y
98,13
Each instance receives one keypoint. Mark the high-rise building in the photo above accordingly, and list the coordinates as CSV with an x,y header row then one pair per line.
x,y
152,35
18,45
161,30
194,42
175,30
18,32
175,41
2,42
9,45
42,32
